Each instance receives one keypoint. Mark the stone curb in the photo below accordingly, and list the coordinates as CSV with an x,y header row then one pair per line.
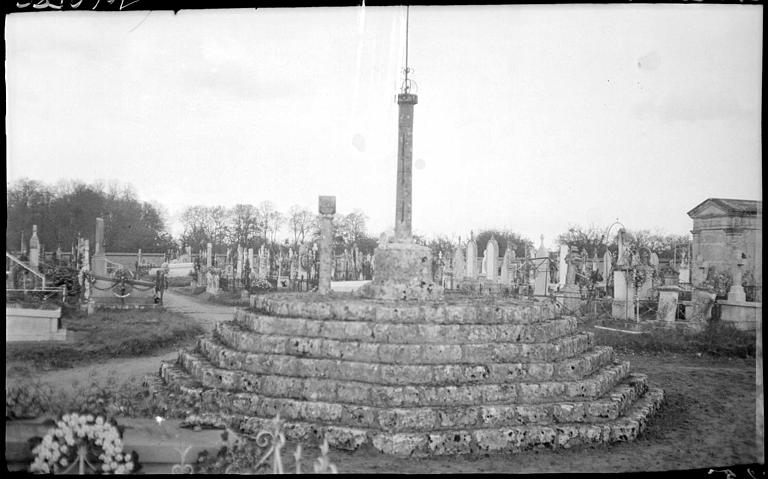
x,y
421,393
234,337
613,405
358,309
405,333
393,359
474,440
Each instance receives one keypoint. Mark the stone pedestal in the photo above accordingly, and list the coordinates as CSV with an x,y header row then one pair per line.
x,y
570,297
741,314
403,272
736,294
667,309
623,296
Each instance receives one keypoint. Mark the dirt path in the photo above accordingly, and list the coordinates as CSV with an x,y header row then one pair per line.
x,y
206,314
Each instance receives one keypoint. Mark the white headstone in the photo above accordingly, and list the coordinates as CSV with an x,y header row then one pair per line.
x,y
491,256
459,265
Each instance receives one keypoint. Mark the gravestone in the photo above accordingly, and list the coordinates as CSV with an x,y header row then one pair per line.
x,y
459,265
668,300
541,280
471,271
685,269
209,256
504,277
491,254
570,295
607,265
563,266
34,250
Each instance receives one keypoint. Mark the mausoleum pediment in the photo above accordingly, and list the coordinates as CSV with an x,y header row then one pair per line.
x,y
712,207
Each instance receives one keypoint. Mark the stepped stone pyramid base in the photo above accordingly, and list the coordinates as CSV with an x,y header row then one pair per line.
x,y
414,378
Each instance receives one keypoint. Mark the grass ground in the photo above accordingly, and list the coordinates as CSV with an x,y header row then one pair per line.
x,y
105,335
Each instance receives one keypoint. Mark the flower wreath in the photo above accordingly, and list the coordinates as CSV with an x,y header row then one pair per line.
x,y
83,440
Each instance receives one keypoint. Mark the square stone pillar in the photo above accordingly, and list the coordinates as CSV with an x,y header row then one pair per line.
x,y
327,208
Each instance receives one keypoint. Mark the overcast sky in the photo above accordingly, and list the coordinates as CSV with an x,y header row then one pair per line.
x,y
531,118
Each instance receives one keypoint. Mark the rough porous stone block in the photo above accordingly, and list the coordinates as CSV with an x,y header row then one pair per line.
x,y
401,444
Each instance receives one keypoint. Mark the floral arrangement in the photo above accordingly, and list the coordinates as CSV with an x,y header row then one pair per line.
x,y
80,440
261,284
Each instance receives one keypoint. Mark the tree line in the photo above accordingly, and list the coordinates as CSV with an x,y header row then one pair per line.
x,y
68,210
253,226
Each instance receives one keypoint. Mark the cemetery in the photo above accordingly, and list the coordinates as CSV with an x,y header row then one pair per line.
x,y
342,356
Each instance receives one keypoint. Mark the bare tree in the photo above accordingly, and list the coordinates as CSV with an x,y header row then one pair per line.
x,y
301,222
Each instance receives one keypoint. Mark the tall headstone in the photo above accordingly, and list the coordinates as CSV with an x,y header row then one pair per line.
x,y
209,255
563,265
34,249
504,277
491,255
100,257
263,263
403,269
327,208
541,279
622,258
459,265
607,265
471,258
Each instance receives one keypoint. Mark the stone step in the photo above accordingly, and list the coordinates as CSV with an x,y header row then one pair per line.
x,y
612,406
398,333
458,311
384,372
235,337
460,440
421,391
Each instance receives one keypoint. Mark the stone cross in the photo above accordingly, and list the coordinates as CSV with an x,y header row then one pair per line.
x,y
327,208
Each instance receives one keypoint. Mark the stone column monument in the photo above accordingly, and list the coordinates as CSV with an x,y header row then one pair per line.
x,y
403,269
327,208
209,255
